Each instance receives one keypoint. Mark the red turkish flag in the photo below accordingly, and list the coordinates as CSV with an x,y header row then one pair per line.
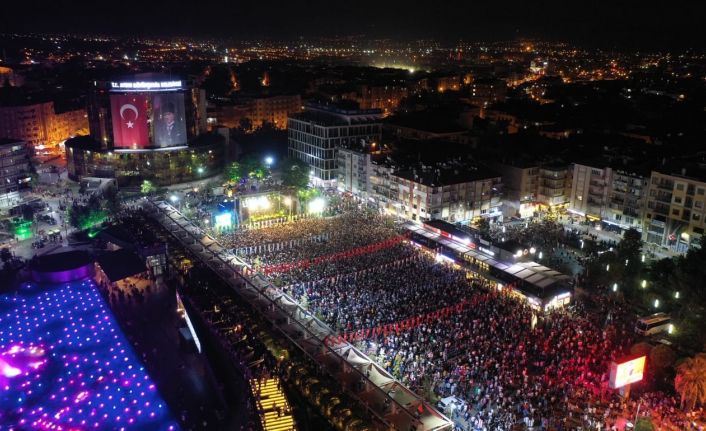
x,y
129,114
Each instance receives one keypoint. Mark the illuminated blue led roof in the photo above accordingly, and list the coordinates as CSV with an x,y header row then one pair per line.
x,y
66,365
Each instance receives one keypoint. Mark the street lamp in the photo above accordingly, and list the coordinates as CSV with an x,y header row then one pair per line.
x,y
644,284
615,287
269,160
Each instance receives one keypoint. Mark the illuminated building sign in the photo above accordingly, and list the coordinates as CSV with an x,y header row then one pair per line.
x,y
628,372
146,85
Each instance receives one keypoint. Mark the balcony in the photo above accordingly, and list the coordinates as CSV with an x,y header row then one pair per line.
x,y
664,197
661,209
665,185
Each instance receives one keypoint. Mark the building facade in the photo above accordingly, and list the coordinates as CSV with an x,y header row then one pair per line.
x,y
451,194
316,134
39,125
625,202
354,172
146,127
15,171
675,212
554,186
520,182
274,110
589,191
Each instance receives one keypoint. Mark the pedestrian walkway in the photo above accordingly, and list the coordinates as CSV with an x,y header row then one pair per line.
x,y
272,406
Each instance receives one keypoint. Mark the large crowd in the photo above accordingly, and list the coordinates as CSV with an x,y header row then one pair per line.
x,y
512,367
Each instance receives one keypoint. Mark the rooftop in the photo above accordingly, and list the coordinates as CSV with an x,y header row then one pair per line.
x,y
428,121
444,176
68,365
120,264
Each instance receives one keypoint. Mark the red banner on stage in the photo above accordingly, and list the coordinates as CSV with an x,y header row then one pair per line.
x,y
130,114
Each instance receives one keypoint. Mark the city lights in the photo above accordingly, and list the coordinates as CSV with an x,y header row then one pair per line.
x,y
66,364
317,206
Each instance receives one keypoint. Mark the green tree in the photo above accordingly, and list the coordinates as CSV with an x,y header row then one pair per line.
x,y
253,167
295,174
147,187
234,172
690,382
644,424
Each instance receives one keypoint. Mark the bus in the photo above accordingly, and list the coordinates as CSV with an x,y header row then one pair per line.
x,y
653,325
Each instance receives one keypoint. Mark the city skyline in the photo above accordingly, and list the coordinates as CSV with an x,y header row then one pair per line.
x,y
630,25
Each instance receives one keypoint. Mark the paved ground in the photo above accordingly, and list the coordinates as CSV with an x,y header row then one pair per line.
x,y
182,375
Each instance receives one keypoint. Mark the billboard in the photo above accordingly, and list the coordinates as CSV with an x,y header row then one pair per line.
x,y
148,120
130,115
168,123
627,372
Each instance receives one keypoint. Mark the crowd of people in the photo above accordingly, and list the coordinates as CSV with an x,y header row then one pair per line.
x,y
513,367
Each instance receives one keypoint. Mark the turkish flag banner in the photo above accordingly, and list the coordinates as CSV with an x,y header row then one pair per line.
x,y
130,114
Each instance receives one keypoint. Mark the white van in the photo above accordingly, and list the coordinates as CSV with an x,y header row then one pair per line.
x,y
654,324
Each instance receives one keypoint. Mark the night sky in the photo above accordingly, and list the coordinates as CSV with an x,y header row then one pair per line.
x,y
614,23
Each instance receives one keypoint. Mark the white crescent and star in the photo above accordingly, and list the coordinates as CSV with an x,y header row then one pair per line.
x,y
128,107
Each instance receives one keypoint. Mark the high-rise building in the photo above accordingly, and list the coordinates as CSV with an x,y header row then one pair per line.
x,y
14,171
316,134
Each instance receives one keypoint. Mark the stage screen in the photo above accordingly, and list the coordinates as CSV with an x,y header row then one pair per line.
x,y
628,372
148,120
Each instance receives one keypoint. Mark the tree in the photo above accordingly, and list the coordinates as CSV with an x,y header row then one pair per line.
x,y
28,212
147,187
295,174
690,382
253,167
112,200
661,357
234,172
629,250
641,349
483,226
644,424
245,124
